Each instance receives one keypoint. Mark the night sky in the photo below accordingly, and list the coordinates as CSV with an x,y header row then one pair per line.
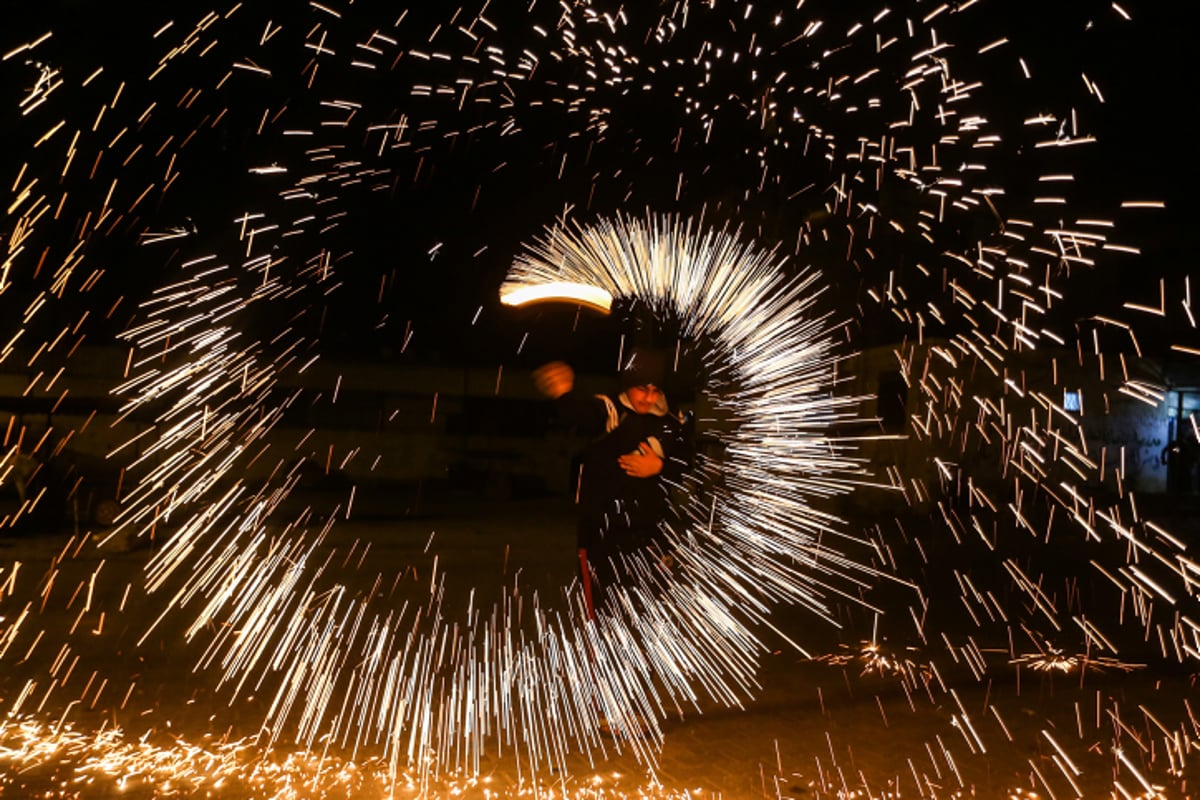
x,y
430,252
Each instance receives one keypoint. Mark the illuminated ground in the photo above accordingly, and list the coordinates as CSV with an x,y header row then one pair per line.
x,y
843,724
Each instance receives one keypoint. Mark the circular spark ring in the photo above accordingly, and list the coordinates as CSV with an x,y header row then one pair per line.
x,y
280,622
752,540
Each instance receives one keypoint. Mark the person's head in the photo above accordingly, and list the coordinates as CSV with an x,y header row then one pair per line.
x,y
643,397
642,378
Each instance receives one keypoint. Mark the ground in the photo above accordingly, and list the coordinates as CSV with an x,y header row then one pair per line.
x,y
92,713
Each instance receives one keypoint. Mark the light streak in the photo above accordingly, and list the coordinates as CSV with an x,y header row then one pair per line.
x,y
558,291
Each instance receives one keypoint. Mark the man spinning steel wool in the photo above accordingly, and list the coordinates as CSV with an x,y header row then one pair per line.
x,y
627,469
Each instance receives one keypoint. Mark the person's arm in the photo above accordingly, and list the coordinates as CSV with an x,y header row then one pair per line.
x,y
684,452
644,462
556,381
677,455
665,454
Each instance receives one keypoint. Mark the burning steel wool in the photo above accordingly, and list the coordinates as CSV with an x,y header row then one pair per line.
x,y
276,276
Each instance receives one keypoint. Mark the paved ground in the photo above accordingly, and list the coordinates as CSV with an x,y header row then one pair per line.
x,y
913,723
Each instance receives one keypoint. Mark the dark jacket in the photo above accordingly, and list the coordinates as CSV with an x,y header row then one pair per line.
x,y
619,513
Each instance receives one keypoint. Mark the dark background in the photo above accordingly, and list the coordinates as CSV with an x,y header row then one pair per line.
x,y
477,197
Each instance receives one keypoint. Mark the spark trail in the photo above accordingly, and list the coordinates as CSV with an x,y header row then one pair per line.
x,y
213,212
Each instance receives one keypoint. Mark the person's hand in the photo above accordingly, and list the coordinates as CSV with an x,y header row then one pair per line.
x,y
641,463
554,379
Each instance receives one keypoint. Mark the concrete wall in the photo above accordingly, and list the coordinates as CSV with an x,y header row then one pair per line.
x,y
396,423
962,416
368,421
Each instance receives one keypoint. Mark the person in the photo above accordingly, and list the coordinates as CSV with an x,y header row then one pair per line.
x,y
1181,457
623,484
